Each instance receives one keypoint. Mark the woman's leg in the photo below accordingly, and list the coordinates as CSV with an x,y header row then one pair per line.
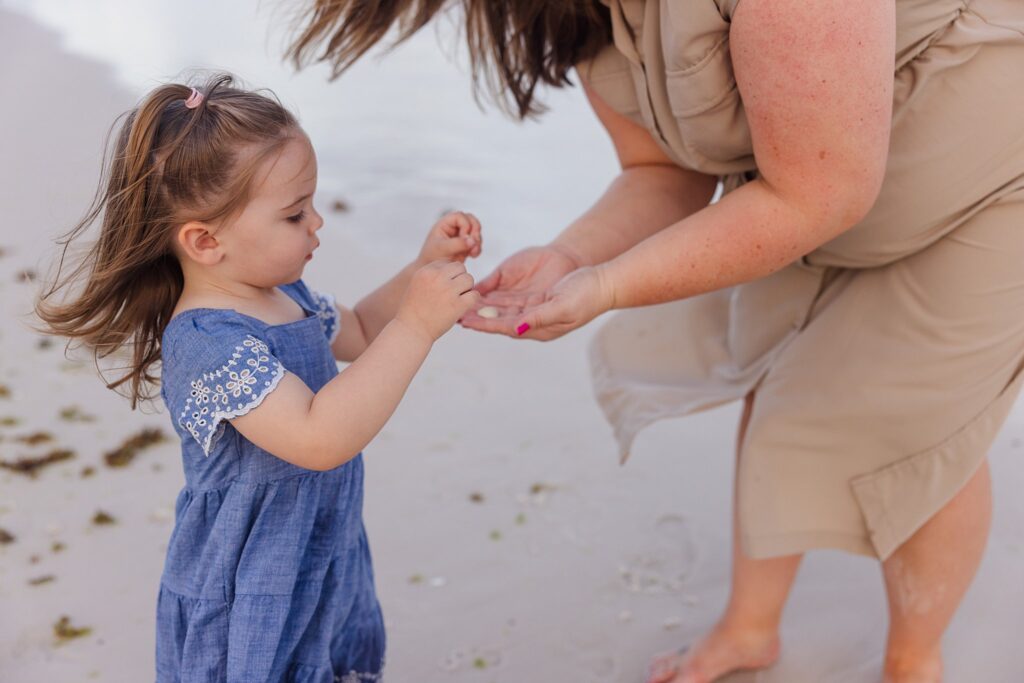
x,y
926,578
747,634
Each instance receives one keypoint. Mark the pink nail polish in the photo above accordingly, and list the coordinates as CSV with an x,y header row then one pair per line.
x,y
523,329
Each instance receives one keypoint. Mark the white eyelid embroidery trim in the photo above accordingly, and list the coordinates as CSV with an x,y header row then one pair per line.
x,y
214,397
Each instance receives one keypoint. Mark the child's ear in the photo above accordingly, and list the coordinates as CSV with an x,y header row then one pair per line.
x,y
199,244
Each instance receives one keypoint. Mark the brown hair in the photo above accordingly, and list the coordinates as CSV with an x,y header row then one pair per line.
x,y
169,165
513,45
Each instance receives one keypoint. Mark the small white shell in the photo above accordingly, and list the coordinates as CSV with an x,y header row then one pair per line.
x,y
488,312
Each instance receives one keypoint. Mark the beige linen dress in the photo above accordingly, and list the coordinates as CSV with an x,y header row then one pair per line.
x,y
885,361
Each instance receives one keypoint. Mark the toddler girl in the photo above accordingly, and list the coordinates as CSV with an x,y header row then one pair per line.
x,y
207,222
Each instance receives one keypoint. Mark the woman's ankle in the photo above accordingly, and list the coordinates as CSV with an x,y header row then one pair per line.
x,y
907,666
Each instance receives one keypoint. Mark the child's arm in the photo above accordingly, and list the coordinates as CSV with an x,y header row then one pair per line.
x,y
455,237
324,430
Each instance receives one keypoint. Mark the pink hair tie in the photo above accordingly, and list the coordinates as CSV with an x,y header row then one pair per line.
x,y
194,99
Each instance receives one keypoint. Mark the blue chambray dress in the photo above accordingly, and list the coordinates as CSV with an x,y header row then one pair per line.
x,y
268,574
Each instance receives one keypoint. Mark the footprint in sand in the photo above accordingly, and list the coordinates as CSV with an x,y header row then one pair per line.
x,y
594,658
665,567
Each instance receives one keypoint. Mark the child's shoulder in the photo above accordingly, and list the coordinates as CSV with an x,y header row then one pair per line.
x,y
212,345
199,333
208,323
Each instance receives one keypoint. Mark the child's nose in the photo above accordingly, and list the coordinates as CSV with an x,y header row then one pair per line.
x,y
317,222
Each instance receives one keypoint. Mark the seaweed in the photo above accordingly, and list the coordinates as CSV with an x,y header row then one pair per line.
x,y
31,465
6,537
63,631
40,580
35,438
132,446
75,414
102,518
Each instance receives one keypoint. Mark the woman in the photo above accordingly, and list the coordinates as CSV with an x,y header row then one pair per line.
x,y
858,283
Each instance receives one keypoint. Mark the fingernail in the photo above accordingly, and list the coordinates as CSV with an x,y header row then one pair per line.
x,y
523,329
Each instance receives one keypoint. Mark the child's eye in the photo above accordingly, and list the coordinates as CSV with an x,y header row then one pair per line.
x,y
297,218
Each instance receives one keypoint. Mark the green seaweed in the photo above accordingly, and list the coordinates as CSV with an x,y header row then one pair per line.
x,y
75,414
63,631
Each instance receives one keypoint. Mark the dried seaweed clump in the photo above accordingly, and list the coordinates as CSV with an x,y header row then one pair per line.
x,y
132,446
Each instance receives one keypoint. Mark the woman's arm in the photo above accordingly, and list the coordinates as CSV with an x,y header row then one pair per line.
x,y
650,193
816,82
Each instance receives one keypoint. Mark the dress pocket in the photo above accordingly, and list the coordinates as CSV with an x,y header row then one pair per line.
x,y
706,105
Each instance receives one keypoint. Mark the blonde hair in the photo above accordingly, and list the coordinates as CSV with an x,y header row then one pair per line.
x,y
170,164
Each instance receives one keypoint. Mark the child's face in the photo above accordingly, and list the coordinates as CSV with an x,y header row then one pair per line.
x,y
271,241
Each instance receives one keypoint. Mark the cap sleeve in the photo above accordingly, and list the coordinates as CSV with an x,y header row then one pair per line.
x,y
216,370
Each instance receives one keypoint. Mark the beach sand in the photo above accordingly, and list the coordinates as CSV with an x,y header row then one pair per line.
x,y
508,543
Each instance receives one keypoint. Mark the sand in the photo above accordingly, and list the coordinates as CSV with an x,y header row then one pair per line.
x,y
509,545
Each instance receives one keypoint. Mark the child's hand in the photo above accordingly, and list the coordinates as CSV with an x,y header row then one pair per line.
x,y
455,237
438,295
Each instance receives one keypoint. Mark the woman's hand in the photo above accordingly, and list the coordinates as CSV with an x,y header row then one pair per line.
x,y
522,280
456,237
574,301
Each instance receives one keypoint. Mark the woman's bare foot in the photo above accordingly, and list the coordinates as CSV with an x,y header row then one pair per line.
x,y
720,652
